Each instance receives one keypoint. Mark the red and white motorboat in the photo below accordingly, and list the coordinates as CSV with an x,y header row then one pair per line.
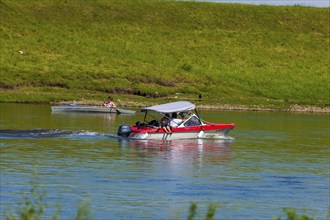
x,y
190,126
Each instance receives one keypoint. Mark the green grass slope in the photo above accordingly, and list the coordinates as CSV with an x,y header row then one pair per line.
x,y
231,53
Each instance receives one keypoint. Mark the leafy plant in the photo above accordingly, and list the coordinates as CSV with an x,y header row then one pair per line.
x,y
193,211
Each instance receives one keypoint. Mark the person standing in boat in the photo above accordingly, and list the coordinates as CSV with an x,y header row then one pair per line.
x,y
109,103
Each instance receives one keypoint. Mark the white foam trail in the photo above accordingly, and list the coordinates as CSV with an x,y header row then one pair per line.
x,y
89,133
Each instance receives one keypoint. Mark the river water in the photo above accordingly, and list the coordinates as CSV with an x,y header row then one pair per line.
x,y
277,160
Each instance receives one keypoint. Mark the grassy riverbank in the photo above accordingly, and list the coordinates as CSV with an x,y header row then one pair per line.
x,y
261,57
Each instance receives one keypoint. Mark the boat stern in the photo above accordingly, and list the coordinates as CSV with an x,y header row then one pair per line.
x,y
124,131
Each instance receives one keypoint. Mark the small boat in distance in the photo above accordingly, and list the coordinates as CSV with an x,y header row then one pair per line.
x,y
190,127
87,108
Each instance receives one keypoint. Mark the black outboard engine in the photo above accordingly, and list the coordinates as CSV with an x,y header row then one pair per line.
x,y
124,130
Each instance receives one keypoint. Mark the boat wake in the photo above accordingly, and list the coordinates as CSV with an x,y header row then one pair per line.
x,y
56,133
45,133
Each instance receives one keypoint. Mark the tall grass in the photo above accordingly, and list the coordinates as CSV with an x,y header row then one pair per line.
x,y
225,51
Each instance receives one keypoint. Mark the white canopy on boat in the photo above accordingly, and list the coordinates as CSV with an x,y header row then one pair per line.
x,y
171,107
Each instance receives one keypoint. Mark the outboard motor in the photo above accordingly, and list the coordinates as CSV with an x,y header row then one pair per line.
x,y
124,130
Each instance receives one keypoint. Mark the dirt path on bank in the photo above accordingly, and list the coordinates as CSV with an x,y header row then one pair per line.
x,y
294,108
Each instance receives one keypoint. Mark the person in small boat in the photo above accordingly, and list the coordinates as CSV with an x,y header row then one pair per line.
x,y
165,123
175,122
109,103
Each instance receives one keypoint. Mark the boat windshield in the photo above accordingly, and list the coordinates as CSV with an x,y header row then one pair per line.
x,y
153,118
192,121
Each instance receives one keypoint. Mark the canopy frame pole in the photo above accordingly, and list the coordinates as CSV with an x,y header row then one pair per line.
x,y
145,116
199,118
152,116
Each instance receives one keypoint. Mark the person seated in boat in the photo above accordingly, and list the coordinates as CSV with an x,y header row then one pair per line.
x,y
109,103
165,123
175,122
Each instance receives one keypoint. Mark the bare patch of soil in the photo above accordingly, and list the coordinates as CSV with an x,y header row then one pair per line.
x,y
294,108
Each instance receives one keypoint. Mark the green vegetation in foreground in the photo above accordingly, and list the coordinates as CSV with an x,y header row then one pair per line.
x,y
233,54
34,206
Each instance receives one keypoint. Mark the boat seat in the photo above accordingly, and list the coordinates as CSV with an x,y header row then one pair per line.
x,y
154,123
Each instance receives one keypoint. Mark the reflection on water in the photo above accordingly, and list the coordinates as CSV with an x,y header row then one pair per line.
x,y
276,161
198,144
186,150
106,116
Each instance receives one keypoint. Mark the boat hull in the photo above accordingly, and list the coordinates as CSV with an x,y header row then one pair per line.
x,y
85,108
197,132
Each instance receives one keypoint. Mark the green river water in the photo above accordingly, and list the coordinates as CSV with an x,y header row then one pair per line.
x,y
277,160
